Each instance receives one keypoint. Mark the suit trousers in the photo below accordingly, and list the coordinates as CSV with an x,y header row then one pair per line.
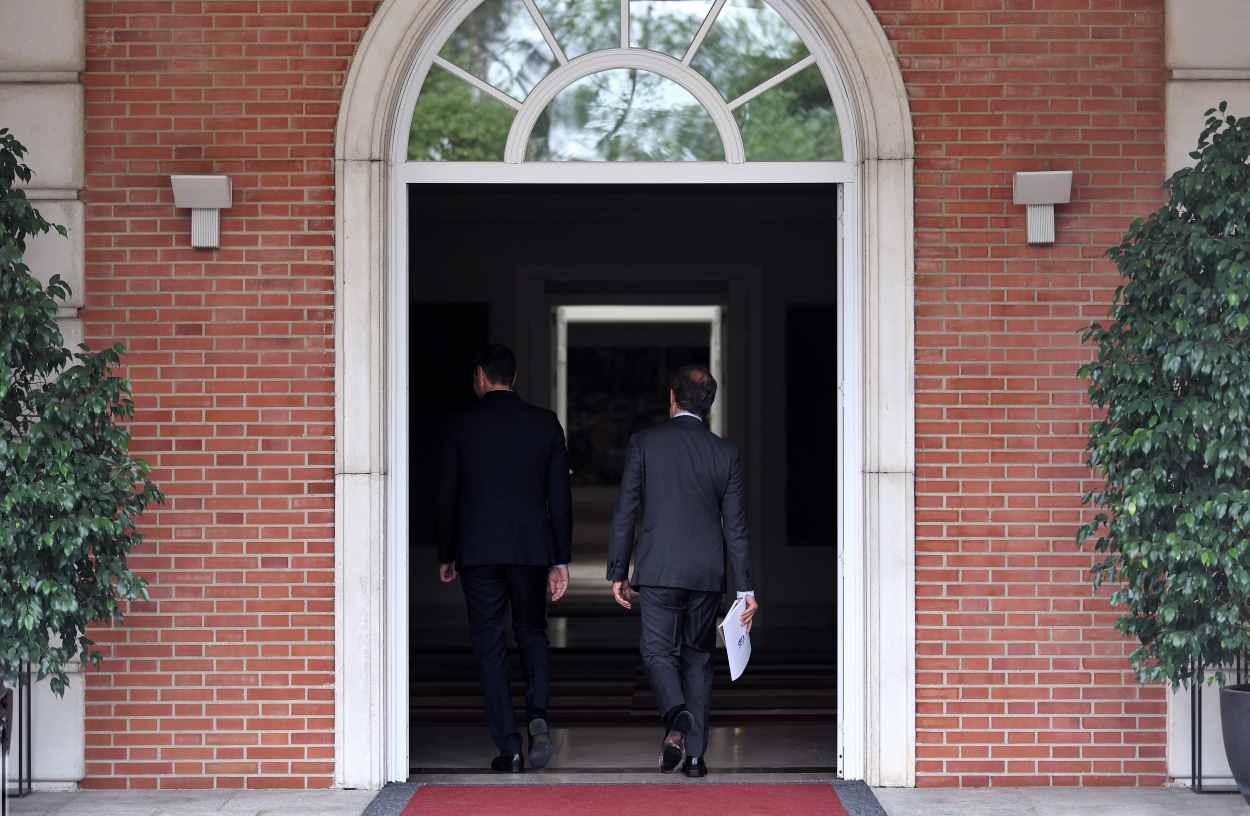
x,y
678,637
488,592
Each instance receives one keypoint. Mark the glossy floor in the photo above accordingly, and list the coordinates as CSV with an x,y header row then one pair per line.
x,y
754,747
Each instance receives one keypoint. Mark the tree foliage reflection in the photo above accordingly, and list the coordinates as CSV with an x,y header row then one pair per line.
x,y
625,114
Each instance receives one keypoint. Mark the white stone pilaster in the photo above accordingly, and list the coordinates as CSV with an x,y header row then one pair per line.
x,y
360,478
889,471
1207,35
360,599
1208,62
42,51
47,117
47,36
51,254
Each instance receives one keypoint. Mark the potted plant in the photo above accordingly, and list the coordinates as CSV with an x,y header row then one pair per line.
x,y
1172,374
69,490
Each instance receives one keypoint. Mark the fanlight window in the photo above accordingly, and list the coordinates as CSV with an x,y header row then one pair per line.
x,y
624,80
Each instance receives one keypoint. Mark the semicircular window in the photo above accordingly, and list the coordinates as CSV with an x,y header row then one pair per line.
x,y
624,114
625,70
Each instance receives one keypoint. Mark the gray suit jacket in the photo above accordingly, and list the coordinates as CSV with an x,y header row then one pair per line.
x,y
686,484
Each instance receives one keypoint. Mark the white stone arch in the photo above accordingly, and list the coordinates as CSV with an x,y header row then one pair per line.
x,y
876,386
590,64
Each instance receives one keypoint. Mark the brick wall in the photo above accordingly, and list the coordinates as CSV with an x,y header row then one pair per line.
x,y
225,677
1021,679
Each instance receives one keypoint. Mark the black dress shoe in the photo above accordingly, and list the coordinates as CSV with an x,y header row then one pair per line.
x,y
694,767
540,743
507,763
673,749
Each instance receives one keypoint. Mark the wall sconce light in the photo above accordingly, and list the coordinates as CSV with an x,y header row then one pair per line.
x,y
1040,192
206,197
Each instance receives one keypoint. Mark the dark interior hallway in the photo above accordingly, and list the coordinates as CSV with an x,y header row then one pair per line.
x,y
500,260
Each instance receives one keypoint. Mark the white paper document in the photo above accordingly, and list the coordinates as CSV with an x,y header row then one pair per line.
x,y
737,639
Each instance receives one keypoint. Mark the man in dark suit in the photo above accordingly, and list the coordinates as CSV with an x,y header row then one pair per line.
x,y
686,484
505,526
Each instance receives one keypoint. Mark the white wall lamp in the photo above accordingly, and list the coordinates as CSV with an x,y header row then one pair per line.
x,y
1040,192
205,197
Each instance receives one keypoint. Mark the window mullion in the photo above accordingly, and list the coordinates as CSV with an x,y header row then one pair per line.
x,y
625,23
477,82
772,82
702,32
541,22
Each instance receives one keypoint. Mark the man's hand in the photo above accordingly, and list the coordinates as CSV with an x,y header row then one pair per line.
x,y
558,581
752,606
623,594
447,573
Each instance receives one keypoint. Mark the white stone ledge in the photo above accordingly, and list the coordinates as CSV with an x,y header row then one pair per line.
x,y
1200,74
36,193
37,77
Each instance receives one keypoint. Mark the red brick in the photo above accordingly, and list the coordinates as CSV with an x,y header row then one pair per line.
x,y
232,364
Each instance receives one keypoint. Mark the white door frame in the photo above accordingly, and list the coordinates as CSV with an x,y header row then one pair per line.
x,y
876,678
711,316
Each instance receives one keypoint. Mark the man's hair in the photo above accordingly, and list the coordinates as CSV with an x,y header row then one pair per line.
x,y
499,364
695,389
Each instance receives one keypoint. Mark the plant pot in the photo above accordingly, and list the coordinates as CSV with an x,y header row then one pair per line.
x,y
1235,719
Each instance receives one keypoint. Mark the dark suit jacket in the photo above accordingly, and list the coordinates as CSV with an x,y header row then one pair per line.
x,y
686,482
504,496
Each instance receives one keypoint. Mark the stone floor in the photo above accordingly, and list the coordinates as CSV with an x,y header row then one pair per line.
x,y
921,802
807,747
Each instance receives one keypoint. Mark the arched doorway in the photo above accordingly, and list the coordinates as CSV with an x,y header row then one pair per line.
x,y
847,51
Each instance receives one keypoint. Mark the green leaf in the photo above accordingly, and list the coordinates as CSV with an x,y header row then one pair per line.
x,y
1169,380
71,495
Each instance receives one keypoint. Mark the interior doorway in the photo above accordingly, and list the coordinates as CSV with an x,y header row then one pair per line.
x,y
603,291
664,333
612,367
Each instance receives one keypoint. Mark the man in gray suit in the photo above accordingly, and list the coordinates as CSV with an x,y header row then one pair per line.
x,y
686,484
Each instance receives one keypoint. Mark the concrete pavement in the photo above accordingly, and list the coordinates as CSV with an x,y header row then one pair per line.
x,y
897,802
194,803
1057,802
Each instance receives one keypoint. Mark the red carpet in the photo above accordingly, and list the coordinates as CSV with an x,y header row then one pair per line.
x,y
628,800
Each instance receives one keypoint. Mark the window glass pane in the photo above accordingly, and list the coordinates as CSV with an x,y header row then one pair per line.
x,y
454,121
625,115
501,44
581,26
793,121
667,26
748,43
